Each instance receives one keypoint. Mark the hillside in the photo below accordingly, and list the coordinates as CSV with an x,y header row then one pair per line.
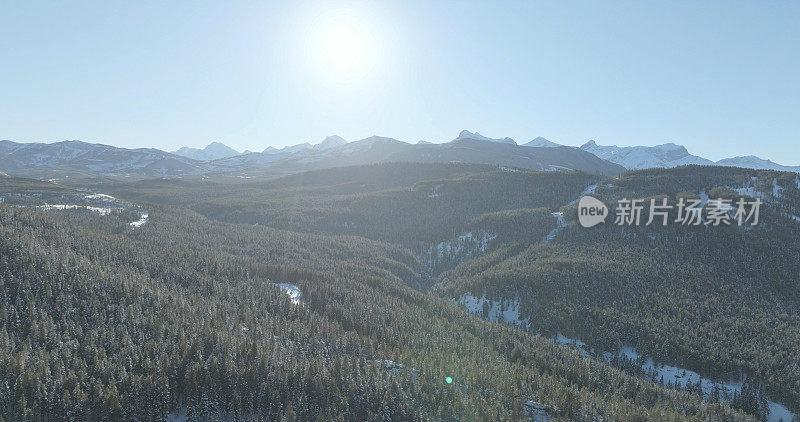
x,y
505,245
192,316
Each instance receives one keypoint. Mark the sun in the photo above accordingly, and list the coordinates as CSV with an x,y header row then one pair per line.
x,y
345,49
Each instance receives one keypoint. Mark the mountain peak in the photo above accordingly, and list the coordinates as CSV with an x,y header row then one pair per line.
x,y
213,151
332,141
220,148
541,143
465,134
639,157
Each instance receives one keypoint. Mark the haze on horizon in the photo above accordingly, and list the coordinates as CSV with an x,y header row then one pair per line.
x,y
719,78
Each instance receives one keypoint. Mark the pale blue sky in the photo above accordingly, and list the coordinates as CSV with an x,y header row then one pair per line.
x,y
722,78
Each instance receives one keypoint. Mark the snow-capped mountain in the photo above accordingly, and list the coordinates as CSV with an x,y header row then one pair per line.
x,y
212,151
467,148
76,157
541,143
640,157
330,142
465,134
751,161
673,155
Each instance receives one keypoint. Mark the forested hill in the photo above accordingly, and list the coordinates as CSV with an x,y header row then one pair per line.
x,y
173,293
720,301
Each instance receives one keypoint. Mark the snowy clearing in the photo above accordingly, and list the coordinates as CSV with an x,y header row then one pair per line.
x,y
451,252
61,207
141,221
292,290
498,310
99,196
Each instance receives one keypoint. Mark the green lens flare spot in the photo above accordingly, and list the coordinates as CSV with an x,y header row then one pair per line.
x,y
448,380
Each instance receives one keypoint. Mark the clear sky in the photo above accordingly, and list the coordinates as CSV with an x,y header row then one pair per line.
x,y
721,78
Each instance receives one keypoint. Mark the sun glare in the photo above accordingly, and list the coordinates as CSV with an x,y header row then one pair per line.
x,y
345,49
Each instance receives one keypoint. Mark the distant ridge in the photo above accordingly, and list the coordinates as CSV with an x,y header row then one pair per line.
x,y
465,134
62,159
212,151
672,155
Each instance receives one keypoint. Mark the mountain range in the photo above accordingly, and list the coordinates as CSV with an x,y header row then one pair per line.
x,y
76,158
213,151
671,155
82,158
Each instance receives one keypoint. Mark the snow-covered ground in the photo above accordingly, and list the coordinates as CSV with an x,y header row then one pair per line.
x,y
99,196
61,207
292,290
98,203
777,189
538,412
590,190
561,222
752,190
450,252
498,310
680,377
143,219
507,311
564,340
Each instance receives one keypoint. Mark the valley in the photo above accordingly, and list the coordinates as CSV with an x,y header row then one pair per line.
x,y
479,281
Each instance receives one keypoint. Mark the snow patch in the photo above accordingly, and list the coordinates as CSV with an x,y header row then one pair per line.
x,y
292,290
538,412
590,190
679,377
675,376
450,252
748,189
561,222
61,207
496,310
776,189
99,196
143,219
566,341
